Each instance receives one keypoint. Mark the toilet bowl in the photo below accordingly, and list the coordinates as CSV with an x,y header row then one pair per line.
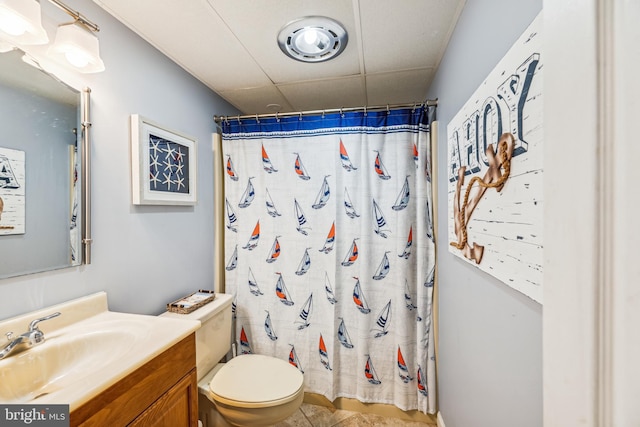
x,y
248,390
256,390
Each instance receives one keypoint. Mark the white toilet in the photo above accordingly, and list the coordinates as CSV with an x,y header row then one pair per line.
x,y
248,390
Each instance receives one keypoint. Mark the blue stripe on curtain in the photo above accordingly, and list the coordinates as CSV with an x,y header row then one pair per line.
x,y
329,250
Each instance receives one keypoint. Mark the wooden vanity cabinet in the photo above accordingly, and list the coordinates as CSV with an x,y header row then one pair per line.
x,y
161,393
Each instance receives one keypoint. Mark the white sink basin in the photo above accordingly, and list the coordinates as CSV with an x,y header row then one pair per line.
x,y
80,359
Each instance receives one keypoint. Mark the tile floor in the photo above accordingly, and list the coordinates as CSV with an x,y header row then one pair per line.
x,y
320,416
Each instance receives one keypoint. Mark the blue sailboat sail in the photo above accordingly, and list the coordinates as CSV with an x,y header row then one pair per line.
x,y
403,197
248,195
305,263
305,312
383,268
268,328
323,194
383,321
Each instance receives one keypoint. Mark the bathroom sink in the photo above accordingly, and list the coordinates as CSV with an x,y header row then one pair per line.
x,y
86,350
66,357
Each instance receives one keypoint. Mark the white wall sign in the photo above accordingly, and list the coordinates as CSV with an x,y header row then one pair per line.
x,y
503,224
12,191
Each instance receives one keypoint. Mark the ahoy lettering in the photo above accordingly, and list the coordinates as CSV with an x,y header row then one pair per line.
x,y
482,129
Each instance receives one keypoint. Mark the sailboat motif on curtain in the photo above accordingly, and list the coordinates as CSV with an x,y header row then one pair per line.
x,y
383,321
293,358
407,248
245,348
430,277
416,159
348,205
271,207
370,373
403,197
230,170
358,298
383,268
323,194
234,306
266,162
408,299
422,385
253,284
231,217
378,166
324,356
302,220
403,371
328,289
352,255
274,253
268,328
331,238
255,237
281,291
343,335
233,260
305,312
430,235
344,157
305,263
299,168
380,221
248,195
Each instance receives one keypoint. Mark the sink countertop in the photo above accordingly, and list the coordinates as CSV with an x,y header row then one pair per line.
x,y
143,338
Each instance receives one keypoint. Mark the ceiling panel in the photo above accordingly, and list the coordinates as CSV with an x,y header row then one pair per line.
x,y
257,100
326,94
257,24
398,87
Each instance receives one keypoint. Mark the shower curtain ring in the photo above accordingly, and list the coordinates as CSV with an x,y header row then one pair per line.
x,y
388,112
323,114
277,118
239,122
413,110
257,119
300,118
226,120
341,113
365,111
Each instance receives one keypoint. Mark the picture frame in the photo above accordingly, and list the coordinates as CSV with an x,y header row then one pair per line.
x,y
163,165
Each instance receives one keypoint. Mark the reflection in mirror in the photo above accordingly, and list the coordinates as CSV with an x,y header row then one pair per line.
x,y
40,132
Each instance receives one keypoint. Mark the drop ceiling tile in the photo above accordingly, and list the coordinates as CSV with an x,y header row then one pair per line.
x,y
409,34
255,100
203,50
403,87
257,24
325,94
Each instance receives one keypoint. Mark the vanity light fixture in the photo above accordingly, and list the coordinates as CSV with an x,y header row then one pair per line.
x,y
75,42
313,39
21,22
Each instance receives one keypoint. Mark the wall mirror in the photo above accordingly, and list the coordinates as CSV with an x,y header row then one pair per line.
x,y
43,129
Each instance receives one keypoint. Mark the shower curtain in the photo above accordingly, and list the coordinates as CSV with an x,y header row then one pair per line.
x,y
329,250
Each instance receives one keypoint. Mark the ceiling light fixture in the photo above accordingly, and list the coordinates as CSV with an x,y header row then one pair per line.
x,y
313,39
75,43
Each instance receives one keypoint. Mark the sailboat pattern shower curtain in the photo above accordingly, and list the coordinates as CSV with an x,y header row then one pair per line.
x,y
329,250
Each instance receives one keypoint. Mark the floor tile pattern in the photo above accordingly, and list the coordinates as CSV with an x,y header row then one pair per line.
x,y
320,416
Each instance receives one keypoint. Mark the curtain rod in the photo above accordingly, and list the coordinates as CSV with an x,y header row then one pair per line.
x,y
427,103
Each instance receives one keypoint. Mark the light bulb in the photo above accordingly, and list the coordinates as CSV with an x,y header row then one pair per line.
x,y
76,58
310,36
13,25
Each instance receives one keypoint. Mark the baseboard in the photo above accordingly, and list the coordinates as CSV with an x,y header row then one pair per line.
x,y
349,404
439,420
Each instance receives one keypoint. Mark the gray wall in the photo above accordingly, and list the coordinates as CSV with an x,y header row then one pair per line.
x,y
143,257
490,348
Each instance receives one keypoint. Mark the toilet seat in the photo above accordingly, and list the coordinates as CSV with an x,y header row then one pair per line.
x,y
256,381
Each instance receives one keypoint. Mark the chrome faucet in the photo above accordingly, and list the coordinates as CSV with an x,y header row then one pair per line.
x,y
32,337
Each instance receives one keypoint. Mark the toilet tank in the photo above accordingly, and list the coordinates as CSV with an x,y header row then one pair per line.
x,y
213,339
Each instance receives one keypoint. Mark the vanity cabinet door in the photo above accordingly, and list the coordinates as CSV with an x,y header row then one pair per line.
x,y
175,408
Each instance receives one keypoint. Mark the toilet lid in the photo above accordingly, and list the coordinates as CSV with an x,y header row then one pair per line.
x,y
254,379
